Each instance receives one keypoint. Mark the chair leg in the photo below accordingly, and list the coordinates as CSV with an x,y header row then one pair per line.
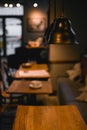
x,y
4,100
22,100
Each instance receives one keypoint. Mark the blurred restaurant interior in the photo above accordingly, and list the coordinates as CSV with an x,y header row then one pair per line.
x,y
43,64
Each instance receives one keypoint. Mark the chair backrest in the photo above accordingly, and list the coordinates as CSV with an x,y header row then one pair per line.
x,y
0,94
4,74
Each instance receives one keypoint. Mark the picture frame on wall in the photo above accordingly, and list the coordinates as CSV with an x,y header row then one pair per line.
x,y
36,24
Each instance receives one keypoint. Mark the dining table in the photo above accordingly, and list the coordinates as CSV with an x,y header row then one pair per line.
x,y
25,87
66,117
32,65
33,71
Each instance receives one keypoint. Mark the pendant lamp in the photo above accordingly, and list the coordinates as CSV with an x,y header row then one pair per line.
x,y
62,31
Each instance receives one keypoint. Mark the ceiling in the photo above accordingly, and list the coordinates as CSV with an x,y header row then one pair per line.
x,y
11,1
42,3
15,1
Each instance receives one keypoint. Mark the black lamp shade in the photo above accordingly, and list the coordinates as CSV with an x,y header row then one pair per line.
x,y
62,32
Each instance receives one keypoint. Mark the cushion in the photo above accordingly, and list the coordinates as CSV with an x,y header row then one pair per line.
x,y
83,88
74,72
77,66
82,97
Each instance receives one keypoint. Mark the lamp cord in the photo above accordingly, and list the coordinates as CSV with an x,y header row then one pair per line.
x,y
62,15
55,9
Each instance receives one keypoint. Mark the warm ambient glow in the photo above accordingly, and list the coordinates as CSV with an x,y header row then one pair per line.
x,y
37,20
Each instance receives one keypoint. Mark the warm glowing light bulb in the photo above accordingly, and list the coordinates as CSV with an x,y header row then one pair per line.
x,y
10,5
35,4
18,5
6,5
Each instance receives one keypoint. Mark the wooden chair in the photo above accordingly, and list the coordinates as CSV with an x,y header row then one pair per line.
x,y
7,118
6,81
7,113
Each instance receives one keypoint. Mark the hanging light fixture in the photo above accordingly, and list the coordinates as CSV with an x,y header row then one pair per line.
x,y
62,31
35,4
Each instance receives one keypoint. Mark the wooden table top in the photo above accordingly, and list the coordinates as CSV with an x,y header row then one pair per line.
x,y
36,70
35,66
39,47
48,118
22,87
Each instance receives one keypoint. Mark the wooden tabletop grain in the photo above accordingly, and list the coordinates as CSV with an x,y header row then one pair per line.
x,y
38,68
35,66
22,87
48,118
